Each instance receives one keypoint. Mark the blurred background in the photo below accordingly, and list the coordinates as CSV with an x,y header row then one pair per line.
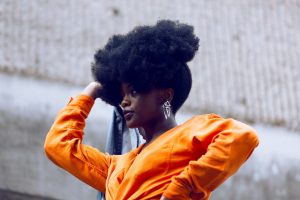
x,y
247,68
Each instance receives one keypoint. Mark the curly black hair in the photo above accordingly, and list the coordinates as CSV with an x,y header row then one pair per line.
x,y
147,57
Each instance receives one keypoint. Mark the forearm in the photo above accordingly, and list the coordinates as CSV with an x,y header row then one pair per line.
x,y
63,144
66,133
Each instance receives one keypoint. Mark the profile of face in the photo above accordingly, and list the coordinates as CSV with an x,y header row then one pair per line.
x,y
141,109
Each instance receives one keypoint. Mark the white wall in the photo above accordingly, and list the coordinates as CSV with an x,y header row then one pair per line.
x,y
28,108
247,65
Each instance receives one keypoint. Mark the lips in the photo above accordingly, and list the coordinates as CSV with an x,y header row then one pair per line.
x,y
127,114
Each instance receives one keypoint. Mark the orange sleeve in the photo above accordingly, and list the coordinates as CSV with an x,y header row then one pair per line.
x,y
63,145
228,150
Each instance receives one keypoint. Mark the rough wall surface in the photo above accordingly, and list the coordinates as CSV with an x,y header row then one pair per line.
x,y
28,108
272,173
247,67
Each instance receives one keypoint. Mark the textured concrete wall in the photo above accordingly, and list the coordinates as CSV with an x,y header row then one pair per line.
x,y
247,67
28,107
12,195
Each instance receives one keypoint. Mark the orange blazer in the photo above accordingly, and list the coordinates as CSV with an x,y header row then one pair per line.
x,y
186,162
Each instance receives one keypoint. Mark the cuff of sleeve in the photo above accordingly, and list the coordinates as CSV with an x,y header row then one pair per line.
x,y
175,191
84,102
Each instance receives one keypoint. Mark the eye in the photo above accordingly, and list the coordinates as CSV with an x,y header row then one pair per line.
x,y
133,92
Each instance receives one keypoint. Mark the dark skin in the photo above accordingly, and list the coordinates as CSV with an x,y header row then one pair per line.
x,y
147,110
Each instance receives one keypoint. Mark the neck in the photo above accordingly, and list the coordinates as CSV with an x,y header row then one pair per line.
x,y
154,130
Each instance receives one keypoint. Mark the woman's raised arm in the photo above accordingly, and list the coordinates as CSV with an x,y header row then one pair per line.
x,y
63,144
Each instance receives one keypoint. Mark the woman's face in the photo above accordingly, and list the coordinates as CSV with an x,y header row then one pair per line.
x,y
141,109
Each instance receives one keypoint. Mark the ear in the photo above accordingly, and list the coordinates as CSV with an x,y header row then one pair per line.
x,y
167,95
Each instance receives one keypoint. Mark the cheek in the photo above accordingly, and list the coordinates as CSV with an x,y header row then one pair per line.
x,y
148,107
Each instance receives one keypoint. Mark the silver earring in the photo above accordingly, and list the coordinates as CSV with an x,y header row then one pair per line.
x,y
167,109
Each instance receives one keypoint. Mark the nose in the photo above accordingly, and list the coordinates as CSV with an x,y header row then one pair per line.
x,y
125,102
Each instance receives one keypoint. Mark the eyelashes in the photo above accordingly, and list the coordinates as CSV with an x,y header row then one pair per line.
x,y
133,93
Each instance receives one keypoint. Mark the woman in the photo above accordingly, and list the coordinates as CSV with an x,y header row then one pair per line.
x,y
146,73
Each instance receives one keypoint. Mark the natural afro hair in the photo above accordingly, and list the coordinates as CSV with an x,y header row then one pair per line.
x,y
147,57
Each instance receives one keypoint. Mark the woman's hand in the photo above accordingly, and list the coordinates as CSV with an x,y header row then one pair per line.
x,y
164,198
92,89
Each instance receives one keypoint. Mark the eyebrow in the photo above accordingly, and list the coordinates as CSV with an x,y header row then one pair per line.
x,y
129,86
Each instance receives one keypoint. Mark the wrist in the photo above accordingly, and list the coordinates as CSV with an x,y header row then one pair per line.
x,y
92,89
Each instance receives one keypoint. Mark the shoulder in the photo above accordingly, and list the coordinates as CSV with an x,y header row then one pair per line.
x,y
205,117
224,124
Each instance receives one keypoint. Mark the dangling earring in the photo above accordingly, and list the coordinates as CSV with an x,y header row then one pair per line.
x,y
167,109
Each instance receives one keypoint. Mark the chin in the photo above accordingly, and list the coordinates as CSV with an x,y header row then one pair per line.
x,y
131,125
